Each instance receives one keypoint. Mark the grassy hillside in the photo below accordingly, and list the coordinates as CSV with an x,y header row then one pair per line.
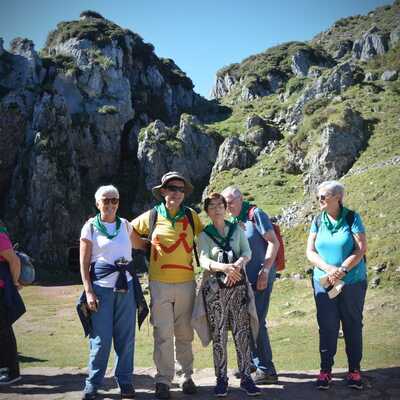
x,y
374,192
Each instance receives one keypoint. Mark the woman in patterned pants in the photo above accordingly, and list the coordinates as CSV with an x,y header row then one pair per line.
x,y
224,251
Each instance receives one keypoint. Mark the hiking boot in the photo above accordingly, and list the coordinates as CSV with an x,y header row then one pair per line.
x,y
264,378
162,391
354,380
237,374
127,391
7,379
323,381
188,387
221,388
247,384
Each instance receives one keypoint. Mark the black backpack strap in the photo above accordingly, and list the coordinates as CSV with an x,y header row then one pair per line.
x,y
152,222
189,215
350,218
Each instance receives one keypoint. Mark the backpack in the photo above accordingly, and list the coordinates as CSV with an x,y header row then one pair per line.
x,y
280,256
152,225
349,219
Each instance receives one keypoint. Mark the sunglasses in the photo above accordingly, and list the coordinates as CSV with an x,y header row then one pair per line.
x,y
113,200
322,197
175,189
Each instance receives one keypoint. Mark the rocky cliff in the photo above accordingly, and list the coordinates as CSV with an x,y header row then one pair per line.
x,y
69,121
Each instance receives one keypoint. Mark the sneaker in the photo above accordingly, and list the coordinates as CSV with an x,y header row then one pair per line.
x,y
323,380
264,378
354,380
221,388
162,391
7,379
92,395
127,391
188,387
247,384
238,375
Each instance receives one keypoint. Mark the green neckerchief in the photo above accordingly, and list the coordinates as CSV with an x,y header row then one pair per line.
x,y
333,227
213,231
103,230
163,211
242,217
3,229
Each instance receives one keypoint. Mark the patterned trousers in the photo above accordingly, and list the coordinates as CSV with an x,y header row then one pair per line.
x,y
227,309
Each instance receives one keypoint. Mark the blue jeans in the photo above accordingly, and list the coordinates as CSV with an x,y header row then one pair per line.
x,y
347,308
114,320
262,352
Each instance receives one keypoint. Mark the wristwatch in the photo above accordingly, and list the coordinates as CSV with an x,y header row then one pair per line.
x,y
343,269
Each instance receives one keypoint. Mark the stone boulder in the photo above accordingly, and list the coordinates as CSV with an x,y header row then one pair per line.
x,y
370,77
372,43
232,153
389,75
223,85
259,134
340,146
190,150
344,48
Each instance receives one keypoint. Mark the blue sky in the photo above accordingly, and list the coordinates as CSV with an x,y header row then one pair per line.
x,y
201,36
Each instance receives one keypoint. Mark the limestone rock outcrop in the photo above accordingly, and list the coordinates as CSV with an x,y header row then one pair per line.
x,y
189,149
232,153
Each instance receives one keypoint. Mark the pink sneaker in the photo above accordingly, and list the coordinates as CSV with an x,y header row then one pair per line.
x,y
323,380
354,380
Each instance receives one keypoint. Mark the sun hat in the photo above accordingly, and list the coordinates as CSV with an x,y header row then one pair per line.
x,y
166,178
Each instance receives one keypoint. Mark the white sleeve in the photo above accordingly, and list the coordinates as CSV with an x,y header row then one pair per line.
x,y
86,232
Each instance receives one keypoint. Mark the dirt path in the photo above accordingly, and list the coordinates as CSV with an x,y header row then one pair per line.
x,y
66,383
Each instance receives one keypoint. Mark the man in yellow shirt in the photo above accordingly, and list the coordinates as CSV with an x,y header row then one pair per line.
x,y
171,279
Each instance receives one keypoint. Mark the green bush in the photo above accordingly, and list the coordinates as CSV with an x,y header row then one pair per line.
x,y
314,105
99,58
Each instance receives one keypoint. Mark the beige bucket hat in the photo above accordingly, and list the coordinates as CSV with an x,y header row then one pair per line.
x,y
167,177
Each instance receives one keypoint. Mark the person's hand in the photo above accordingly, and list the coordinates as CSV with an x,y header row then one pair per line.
x,y
332,278
233,272
18,285
92,301
338,274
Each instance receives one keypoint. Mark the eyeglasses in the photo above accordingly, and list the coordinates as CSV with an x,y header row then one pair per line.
x,y
215,206
228,203
113,200
175,189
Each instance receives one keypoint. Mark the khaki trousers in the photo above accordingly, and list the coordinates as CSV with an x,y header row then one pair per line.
x,y
171,313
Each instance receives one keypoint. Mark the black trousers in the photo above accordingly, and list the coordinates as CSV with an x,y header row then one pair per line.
x,y
8,343
227,308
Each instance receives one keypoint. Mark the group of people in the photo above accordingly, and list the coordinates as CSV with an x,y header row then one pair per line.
x,y
233,250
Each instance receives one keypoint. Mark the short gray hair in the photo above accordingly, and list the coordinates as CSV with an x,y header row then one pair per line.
x,y
231,191
108,189
334,188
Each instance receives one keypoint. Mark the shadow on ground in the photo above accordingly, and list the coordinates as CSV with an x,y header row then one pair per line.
x,y
52,383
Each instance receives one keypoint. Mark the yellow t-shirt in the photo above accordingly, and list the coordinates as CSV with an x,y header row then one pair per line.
x,y
171,250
